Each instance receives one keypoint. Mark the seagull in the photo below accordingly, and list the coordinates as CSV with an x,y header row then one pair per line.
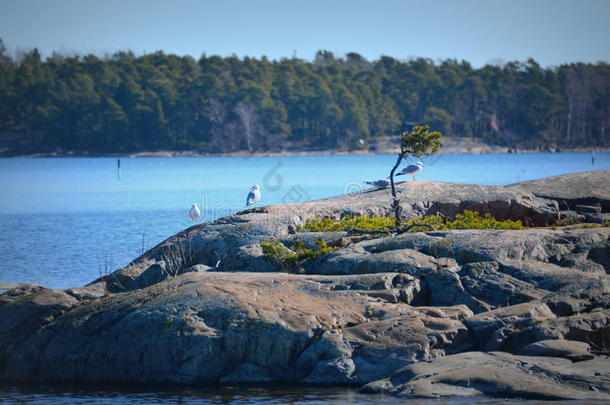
x,y
194,212
411,170
379,183
253,196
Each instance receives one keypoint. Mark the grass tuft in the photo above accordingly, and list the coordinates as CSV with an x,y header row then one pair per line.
x,y
585,226
567,221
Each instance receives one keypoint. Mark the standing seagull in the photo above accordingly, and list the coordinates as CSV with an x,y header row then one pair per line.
x,y
194,212
411,170
253,196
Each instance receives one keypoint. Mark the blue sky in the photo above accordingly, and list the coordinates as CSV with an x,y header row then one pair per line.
x,y
481,31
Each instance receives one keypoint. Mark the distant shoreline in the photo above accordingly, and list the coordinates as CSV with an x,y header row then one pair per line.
x,y
451,146
325,152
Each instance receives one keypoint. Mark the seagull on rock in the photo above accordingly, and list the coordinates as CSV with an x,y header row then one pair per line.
x,y
379,183
253,196
194,212
411,170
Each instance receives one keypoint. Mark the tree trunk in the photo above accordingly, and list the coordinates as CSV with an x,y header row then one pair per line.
x,y
395,201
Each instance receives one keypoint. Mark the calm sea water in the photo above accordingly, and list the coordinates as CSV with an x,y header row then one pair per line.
x,y
65,221
97,395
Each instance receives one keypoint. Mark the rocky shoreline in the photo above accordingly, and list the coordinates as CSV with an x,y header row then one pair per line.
x,y
504,313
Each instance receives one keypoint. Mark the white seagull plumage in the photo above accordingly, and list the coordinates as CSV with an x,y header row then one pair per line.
x,y
253,196
411,170
194,212
379,183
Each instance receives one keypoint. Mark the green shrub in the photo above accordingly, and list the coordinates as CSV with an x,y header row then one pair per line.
x,y
466,220
606,224
345,223
288,259
474,220
277,253
436,221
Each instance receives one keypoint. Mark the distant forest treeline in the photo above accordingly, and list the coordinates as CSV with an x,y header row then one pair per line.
x,y
125,103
